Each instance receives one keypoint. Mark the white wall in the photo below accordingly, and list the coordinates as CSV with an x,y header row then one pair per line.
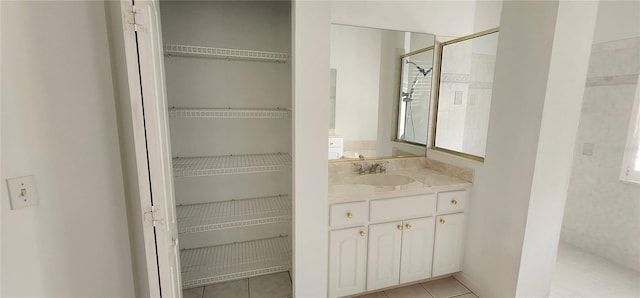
x,y
451,18
487,15
573,35
617,19
602,213
1,25
59,123
311,113
509,195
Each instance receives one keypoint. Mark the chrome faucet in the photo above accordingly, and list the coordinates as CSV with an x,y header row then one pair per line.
x,y
361,168
378,165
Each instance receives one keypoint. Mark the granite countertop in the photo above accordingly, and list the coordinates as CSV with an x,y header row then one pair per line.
x,y
344,184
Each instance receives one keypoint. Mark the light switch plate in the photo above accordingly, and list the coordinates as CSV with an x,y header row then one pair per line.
x,y
22,192
457,99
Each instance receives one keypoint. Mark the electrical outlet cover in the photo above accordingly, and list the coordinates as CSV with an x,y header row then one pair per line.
x,y
22,192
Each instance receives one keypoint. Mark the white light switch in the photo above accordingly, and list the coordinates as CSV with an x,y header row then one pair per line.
x,y
457,99
22,192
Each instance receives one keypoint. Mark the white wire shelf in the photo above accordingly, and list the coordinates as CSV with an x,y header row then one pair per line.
x,y
233,214
230,164
221,53
229,113
213,264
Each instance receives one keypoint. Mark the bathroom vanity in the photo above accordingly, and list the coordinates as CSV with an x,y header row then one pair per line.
x,y
388,229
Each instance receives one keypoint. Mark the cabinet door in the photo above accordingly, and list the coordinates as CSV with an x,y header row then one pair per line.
x,y
417,249
347,257
383,268
447,254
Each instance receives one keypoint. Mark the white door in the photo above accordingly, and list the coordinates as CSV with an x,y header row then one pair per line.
x,y
385,241
347,261
143,46
447,252
417,249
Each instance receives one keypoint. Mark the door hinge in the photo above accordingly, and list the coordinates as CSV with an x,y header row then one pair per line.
x,y
153,215
131,20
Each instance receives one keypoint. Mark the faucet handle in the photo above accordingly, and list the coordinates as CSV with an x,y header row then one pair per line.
x,y
382,165
361,168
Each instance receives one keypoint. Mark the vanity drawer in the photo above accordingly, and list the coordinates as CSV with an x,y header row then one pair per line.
x,y
404,207
348,214
452,201
335,142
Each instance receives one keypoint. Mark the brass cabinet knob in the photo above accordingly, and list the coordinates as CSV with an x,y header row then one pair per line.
x,y
408,226
349,215
399,227
442,220
362,233
454,202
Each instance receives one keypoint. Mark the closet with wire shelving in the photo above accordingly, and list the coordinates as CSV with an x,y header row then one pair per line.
x,y
228,83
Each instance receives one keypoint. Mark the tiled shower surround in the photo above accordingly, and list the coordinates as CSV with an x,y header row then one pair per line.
x,y
602,213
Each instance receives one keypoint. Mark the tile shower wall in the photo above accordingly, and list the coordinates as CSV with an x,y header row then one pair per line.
x,y
602,213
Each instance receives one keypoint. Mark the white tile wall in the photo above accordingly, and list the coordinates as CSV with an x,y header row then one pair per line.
x,y
602,213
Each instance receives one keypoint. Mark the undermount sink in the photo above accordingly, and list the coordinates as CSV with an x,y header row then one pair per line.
x,y
385,179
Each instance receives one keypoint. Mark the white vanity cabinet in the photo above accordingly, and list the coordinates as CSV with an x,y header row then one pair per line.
x,y
385,242
380,243
449,238
417,249
348,256
447,252
399,252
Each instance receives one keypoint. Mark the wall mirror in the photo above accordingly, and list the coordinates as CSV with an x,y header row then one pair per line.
x,y
366,66
464,92
415,96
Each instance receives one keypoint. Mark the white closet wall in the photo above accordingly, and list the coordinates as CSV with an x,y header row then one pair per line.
x,y
228,80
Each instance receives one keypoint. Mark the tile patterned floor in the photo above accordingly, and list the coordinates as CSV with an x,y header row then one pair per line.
x,y
578,274
582,274
277,285
441,288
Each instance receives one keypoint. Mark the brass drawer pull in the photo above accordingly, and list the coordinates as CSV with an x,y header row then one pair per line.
x,y
362,233
349,215
454,202
442,221
399,227
408,226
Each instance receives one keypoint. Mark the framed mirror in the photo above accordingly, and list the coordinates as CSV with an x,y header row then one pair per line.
x,y
415,96
463,95
365,68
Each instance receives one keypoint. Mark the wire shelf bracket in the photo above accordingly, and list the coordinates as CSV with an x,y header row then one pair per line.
x,y
220,263
222,53
233,214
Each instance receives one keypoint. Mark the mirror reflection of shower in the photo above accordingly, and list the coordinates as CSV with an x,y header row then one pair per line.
x,y
415,85
408,96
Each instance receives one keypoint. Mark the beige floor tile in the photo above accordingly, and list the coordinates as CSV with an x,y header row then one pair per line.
x,y
277,285
373,295
414,291
230,289
445,288
467,295
193,293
